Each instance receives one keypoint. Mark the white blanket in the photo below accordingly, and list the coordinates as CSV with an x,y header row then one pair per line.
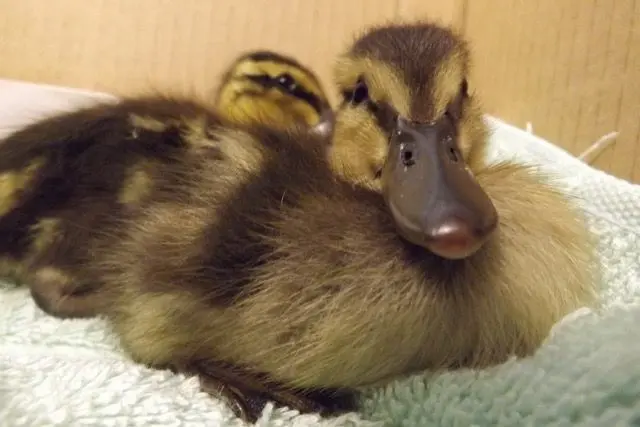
x,y
73,373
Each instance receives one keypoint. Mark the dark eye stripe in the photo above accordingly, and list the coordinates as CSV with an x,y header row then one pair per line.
x,y
309,98
384,114
261,79
300,93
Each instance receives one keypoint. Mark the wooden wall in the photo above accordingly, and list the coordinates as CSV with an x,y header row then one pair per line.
x,y
570,67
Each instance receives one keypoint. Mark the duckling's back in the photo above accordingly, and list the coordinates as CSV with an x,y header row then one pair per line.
x,y
297,274
248,249
65,178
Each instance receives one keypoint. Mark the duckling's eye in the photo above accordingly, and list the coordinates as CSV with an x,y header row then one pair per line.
x,y
360,93
286,82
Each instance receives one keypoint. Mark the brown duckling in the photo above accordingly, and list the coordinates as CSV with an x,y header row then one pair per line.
x,y
275,89
63,179
259,86
276,272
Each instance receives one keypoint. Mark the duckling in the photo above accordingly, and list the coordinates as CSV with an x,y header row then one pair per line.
x,y
276,89
63,181
259,86
277,272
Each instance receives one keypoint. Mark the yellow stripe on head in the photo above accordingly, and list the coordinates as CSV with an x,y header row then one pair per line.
x,y
383,82
271,88
449,74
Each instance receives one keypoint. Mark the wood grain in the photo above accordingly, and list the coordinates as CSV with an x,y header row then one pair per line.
x,y
130,46
570,67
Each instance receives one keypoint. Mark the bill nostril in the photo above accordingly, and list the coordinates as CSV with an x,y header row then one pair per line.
x,y
407,158
407,155
453,155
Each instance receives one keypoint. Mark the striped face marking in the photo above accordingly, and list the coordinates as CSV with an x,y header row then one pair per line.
x,y
264,86
269,71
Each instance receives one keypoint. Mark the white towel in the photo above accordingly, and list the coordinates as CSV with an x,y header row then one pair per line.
x,y
72,373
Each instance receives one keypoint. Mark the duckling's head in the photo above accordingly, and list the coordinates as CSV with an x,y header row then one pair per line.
x,y
271,88
409,126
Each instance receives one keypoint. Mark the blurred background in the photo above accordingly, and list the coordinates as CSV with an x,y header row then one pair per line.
x,y
570,68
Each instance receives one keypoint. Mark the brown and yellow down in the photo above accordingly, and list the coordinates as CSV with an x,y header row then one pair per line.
x,y
279,273
271,88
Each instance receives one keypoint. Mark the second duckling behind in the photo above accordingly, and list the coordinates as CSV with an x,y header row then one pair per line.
x,y
274,89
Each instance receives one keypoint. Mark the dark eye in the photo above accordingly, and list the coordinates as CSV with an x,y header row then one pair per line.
x,y
286,82
360,93
464,88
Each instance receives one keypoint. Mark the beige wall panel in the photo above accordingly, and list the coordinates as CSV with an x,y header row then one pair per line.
x,y
444,11
124,46
130,46
570,67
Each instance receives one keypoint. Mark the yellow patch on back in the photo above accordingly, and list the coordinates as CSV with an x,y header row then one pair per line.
x,y
44,233
11,269
195,130
52,275
13,182
241,149
384,83
137,184
148,123
150,327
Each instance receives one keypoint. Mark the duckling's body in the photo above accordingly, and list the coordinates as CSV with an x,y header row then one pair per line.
x,y
281,273
271,88
44,184
352,305
74,174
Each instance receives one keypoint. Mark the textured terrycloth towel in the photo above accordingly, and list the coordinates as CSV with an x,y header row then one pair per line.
x,y
72,373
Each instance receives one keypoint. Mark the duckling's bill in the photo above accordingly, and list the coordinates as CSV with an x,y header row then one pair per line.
x,y
434,199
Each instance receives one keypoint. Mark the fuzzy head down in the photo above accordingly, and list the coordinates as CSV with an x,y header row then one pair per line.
x,y
417,71
409,127
271,88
